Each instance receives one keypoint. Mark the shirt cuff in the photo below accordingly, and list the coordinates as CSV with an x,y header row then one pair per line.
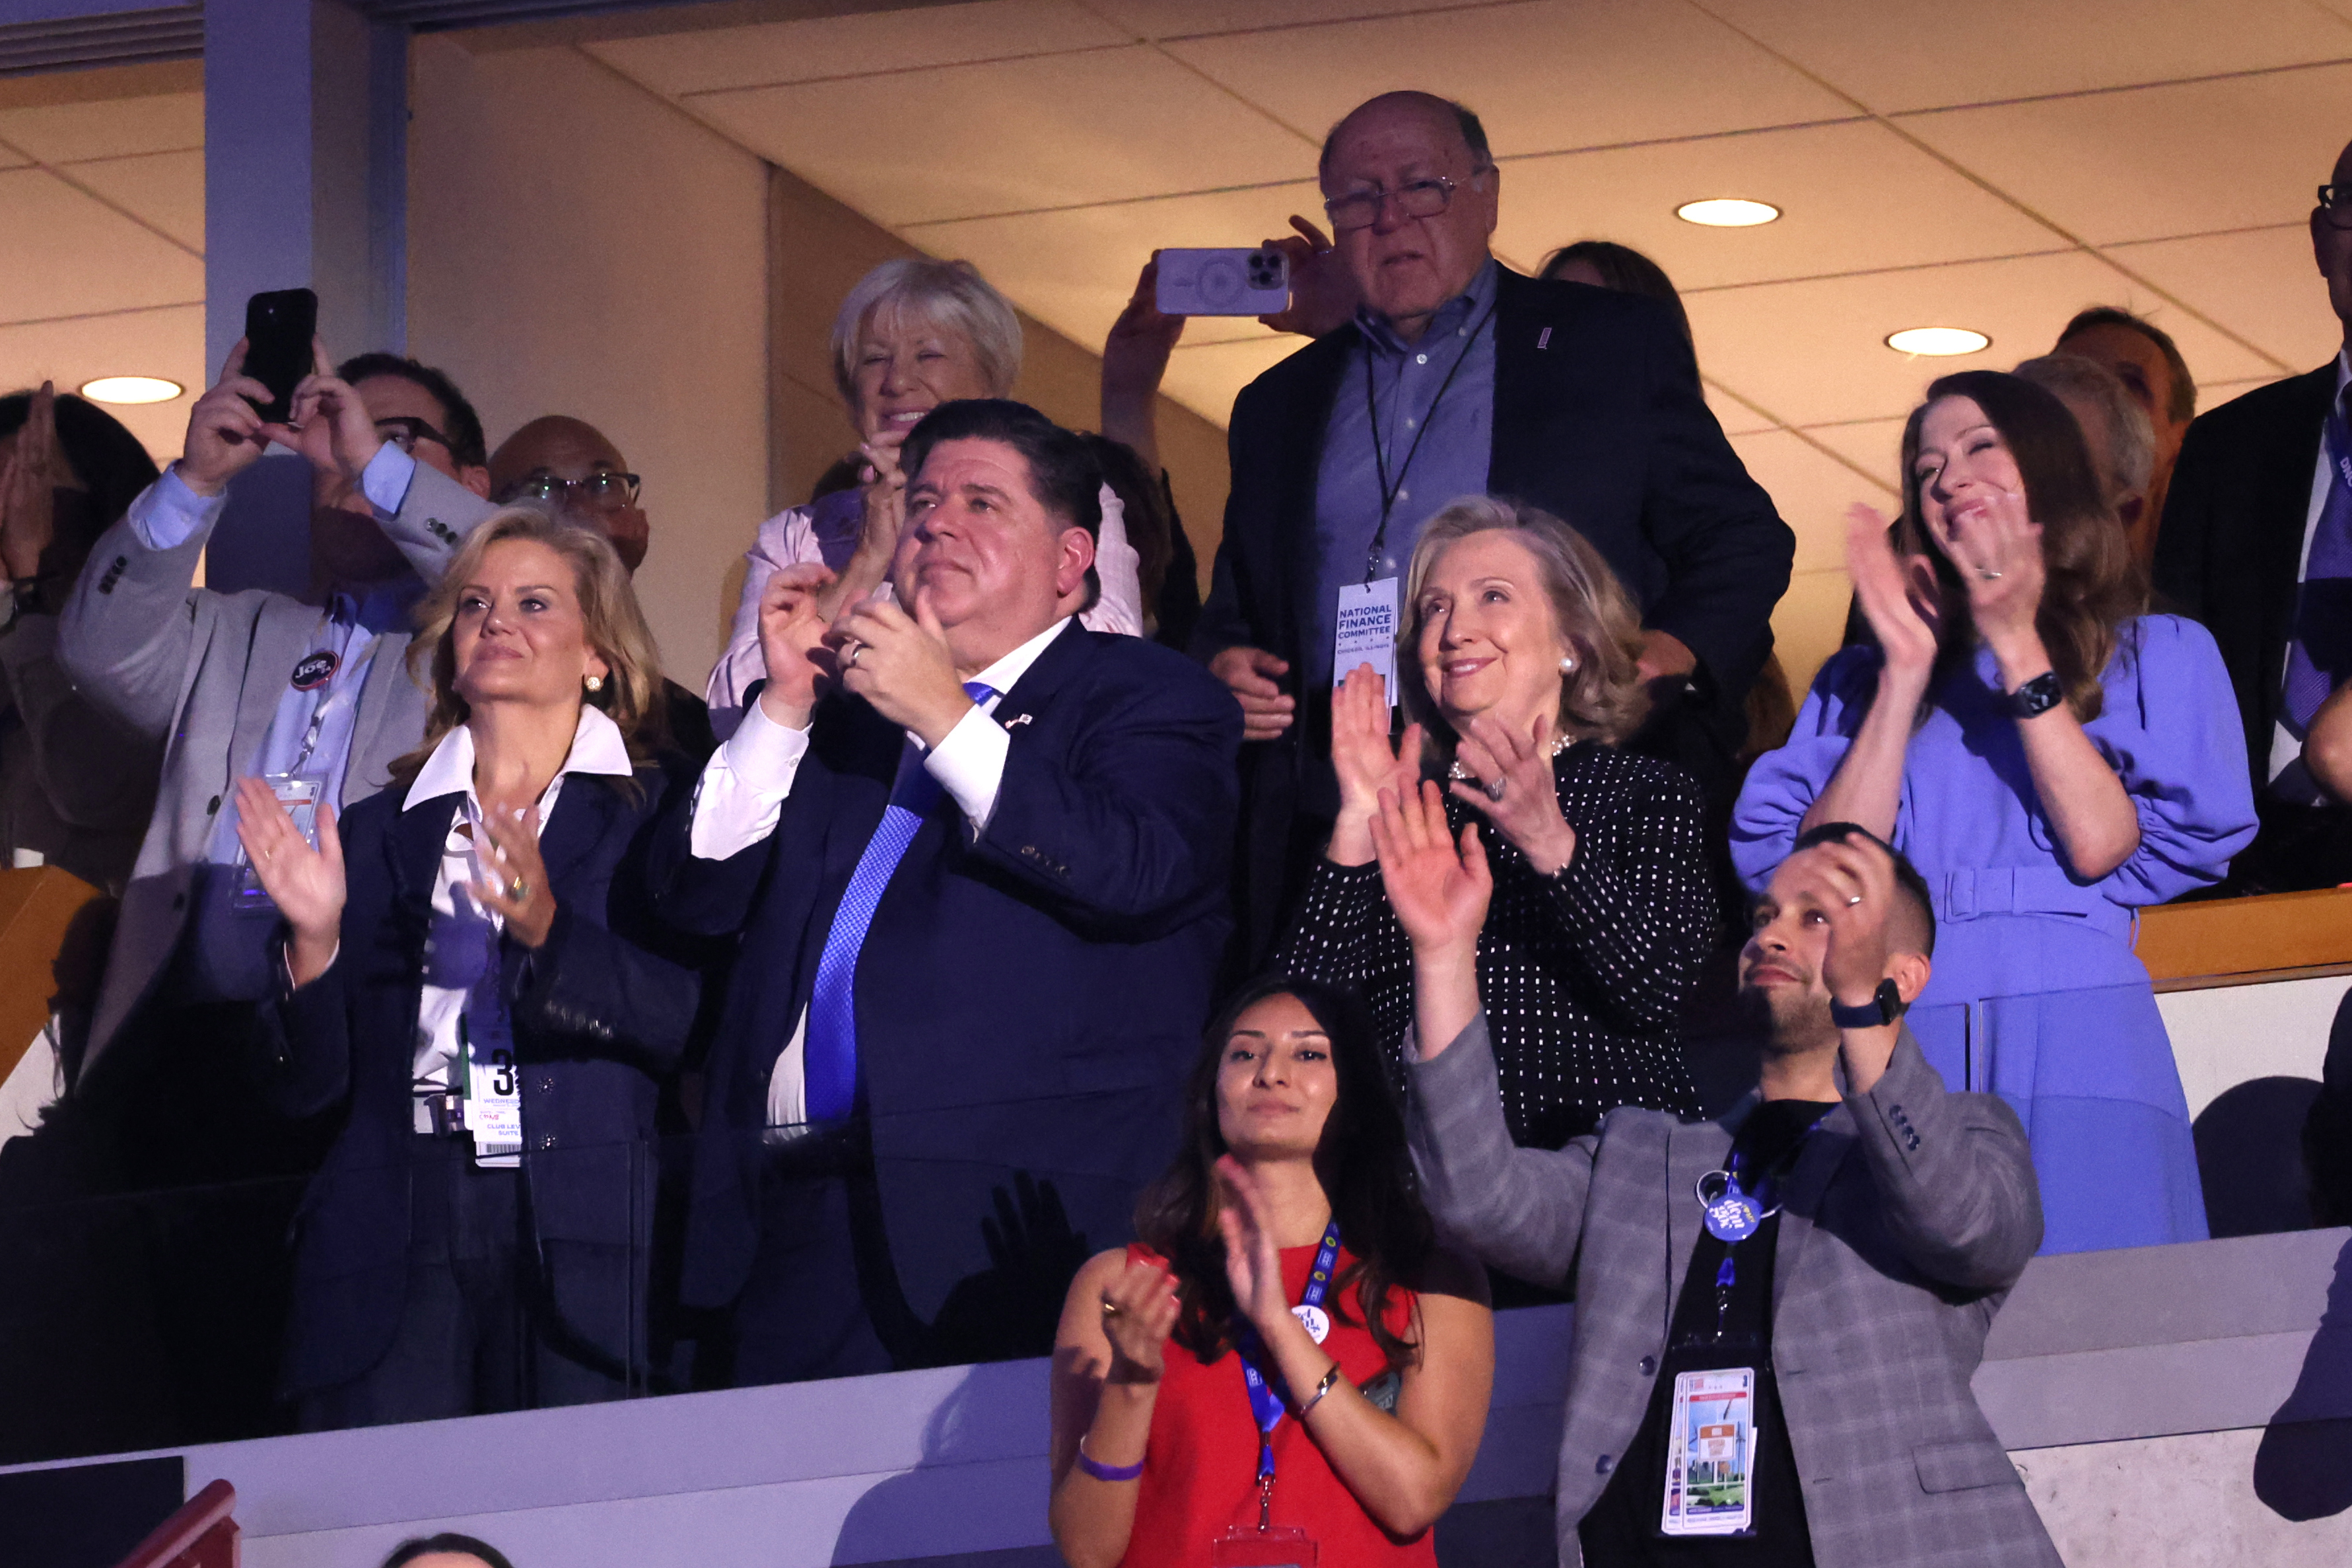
x,y
968,763
168,514
763,754
385,480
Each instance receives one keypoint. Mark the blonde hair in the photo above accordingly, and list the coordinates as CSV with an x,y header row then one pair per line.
x,y
632,693
946,294
1604,698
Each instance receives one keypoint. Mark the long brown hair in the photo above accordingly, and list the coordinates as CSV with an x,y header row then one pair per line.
x,y
1603,696
2092,583
1363,1161
632,693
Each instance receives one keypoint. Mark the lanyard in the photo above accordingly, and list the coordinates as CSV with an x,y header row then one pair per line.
x,y
1265,1404
2338,438
1389,493
1734,1213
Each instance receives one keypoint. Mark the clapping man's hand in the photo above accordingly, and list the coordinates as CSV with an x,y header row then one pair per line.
x,y
900,663
1850,881
792,632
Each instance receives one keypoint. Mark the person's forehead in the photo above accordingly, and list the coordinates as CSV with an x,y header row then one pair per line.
x,y
565,452
1403,134
397,397
976,461
1949,416
2113,345
900,322
1279,1015
511,560
1490,552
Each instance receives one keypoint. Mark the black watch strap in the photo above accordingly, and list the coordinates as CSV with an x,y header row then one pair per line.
x,y
1885,1005
2038,696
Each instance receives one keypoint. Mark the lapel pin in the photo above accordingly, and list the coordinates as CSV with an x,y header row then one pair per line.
x,y
1543,339
1017,721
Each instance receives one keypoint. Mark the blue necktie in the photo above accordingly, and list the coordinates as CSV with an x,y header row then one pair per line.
x,y
2321,654
829,1073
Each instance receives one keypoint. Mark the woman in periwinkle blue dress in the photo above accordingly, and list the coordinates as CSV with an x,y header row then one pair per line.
x,y
2042,812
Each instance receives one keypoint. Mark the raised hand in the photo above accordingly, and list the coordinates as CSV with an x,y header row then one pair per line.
x,y
328,423
1139,1313
791,635
1438,888
901,665
1890,590
1253,1262
1527,810
1366,762
1997,546
1851,882
1323,294
514,878
1135,354
305,883
226,431
29,487
1250,674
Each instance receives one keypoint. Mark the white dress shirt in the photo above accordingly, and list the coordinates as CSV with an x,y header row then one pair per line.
x,y
789,538
742,790
461,951
2288,779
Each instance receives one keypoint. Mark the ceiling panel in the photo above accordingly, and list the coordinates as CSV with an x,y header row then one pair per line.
x,y
964,140
1074,270
1809,623
1812,491
1544,76
1207,377
862,44
168,342
1736,416
62,254
114,128
2161,161
1873,445
1182,18
2263,285
1853,197
1813,352
165,189
1918,54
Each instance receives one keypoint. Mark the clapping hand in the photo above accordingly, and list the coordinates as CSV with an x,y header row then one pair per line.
x,y
901,665
1850,881
1438,888
1323,294
1995,545
1139,1313
513,884
305,883
1253,1262
1366,761
1891,591
1527,809
791,630
35,472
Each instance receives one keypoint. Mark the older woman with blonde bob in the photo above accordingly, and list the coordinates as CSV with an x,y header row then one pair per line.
x,y
1517,665
914,334
466,976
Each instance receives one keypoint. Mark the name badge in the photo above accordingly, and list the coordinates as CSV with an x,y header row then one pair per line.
x,y
493,1095
1367,632
1268,1546
1711,1454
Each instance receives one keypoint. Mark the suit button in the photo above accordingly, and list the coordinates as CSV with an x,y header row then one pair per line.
x,y
546,1084
1600,1464
1649,1365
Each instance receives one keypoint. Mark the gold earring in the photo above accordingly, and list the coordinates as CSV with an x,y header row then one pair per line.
x,y
595,682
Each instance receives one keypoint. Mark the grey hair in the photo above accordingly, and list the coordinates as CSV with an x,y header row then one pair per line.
x,y
946,294
1603,698
2131,434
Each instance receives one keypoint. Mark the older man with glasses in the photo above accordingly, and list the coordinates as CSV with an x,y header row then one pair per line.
x,y
1460,377
2256,542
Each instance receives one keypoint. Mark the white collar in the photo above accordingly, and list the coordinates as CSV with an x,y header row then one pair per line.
x,y
1000,676
596,748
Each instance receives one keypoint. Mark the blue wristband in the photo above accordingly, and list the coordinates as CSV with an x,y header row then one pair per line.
x,y
1103,1472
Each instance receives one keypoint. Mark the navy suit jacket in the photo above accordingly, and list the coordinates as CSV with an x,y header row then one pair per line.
x,y
1027,1001
601,1013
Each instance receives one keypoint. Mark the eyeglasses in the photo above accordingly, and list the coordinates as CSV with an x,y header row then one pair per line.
x,y
2335,205
404,432
1414,199
605,490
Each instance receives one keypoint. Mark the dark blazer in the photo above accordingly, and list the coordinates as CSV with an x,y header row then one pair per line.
x,y
601,1013
1599,420
1029,1001
2230,542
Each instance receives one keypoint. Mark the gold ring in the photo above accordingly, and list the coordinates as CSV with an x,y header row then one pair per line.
x,y
519,890
1111,1308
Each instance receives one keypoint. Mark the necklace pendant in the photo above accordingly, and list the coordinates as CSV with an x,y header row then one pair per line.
x,y
1733,1217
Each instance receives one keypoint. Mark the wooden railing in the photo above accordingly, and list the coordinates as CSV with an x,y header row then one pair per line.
x,y
2242,941
201,1535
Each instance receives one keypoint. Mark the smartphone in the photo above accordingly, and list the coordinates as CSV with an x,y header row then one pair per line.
x,y
1242,281
277,332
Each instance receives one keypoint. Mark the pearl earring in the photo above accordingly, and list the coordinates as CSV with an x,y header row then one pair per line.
x,y
595,682
1567,663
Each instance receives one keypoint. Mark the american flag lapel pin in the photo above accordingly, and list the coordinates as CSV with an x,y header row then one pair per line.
x,y
1543,339
1017,721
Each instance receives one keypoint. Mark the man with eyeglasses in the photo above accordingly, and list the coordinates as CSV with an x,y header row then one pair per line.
x,y
2256,542
569,466
1459,376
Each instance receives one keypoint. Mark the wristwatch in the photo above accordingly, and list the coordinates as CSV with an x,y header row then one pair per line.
x,y
1885,1005
2038,696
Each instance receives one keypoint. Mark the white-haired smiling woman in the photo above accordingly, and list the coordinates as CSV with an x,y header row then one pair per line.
x,y
914,334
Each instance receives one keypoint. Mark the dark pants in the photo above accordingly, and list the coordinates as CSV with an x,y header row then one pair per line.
x,y
480,1330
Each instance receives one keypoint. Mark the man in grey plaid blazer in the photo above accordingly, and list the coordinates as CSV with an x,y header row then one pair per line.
x,y
1906,1216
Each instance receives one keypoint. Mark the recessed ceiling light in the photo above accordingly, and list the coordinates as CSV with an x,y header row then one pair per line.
x,y
1728,212
132,389
1937,341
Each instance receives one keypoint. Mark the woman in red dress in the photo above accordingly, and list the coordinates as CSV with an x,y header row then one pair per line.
x,y
1287,1350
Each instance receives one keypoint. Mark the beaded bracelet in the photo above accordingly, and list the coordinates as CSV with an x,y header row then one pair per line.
x,y
1103,1472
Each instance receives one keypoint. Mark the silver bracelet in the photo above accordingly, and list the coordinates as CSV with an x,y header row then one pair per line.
x,y
1331,1379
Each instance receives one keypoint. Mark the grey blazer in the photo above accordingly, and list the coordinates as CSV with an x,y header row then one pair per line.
x,y
202,672
1907,1218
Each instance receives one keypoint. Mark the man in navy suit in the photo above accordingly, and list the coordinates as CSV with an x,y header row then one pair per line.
x,y
978,854
1460,377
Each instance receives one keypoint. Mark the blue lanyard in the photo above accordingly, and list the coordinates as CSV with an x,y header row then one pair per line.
x,y
1265,1404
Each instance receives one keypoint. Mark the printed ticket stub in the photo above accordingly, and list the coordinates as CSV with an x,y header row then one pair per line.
x,y
1710,1454
1367,632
